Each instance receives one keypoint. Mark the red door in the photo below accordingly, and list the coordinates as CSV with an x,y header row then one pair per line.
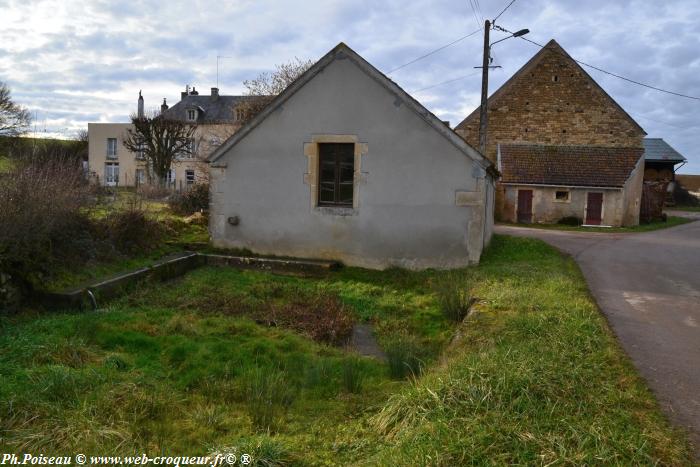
x,y
594,209
524,206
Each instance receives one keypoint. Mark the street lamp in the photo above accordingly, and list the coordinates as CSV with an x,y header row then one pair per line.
x,y
483,117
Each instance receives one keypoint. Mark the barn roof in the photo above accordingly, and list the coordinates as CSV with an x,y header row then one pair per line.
x,y
536,164
656,149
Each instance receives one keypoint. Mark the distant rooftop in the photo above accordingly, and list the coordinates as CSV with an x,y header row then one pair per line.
x,y
656,149
211,109
539,164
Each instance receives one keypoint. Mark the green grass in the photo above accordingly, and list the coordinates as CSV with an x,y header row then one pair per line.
x,y
534,375
6,164
672,221
687,208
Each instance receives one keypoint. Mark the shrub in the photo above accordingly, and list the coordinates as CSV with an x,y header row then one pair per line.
x,y
404,357
683,197
570,220
353,376
42,217
319,315
453,296
196,199
131,230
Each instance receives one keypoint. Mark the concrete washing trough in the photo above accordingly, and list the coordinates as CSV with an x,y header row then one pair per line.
x,y
88,296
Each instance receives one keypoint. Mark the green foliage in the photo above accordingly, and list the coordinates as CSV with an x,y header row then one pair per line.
x,y
353,375
454,296
268,395
404,357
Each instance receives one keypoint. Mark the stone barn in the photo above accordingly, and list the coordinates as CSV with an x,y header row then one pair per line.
x,y
553,104
346,165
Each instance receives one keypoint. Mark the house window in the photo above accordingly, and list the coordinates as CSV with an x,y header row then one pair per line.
x,y
240,114
112,173
336,172
561,195
111,147
140,155
189,177
191,115
190,151
140,176
170,177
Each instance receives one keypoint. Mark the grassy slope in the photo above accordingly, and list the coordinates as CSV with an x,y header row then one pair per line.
x,y
5,164
672,221
536,377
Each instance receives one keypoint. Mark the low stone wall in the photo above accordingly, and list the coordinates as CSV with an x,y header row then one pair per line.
x,y
87,296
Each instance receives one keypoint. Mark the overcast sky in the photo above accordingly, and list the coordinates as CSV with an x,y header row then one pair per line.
x,y
75,62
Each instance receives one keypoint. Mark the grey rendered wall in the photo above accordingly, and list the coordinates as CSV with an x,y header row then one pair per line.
x,y
407,213
547,210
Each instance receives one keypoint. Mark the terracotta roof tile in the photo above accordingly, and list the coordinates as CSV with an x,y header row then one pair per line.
x,y
567,165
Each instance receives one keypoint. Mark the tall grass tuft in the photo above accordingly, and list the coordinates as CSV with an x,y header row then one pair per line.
x,y
404,357
264,451
353,376
453,292
269,394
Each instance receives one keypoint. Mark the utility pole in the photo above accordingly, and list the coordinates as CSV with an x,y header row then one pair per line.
x,y
483,116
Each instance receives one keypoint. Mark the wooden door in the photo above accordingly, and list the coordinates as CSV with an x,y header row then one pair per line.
x,y
594,208
524,206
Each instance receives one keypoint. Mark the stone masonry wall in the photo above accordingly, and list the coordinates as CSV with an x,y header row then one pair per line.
x,y
554,102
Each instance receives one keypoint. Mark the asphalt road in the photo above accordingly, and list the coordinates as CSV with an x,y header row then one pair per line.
x,y
648,286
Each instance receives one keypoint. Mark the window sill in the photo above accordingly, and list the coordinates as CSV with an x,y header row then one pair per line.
x,y
336,210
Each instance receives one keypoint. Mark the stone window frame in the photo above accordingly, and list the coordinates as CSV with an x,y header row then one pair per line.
x,y
311,152
568,196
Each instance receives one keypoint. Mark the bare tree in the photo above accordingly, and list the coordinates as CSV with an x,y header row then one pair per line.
x,y
14,119
160,140
266,86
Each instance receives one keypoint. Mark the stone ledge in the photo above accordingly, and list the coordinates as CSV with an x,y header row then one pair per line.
x,y
170,268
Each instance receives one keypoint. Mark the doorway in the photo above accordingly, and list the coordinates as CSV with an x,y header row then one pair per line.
x,y
594,209
524,206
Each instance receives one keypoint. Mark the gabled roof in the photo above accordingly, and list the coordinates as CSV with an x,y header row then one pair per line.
x,y
593,166
656,149
340,52
213,110
551,47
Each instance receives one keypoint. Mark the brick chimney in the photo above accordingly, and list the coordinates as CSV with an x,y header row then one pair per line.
x,y
185,93
194,92
214,93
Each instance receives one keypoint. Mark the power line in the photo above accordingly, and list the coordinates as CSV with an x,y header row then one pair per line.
x,y
616,75
447,82
665,123
503,11
433,51
476,17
